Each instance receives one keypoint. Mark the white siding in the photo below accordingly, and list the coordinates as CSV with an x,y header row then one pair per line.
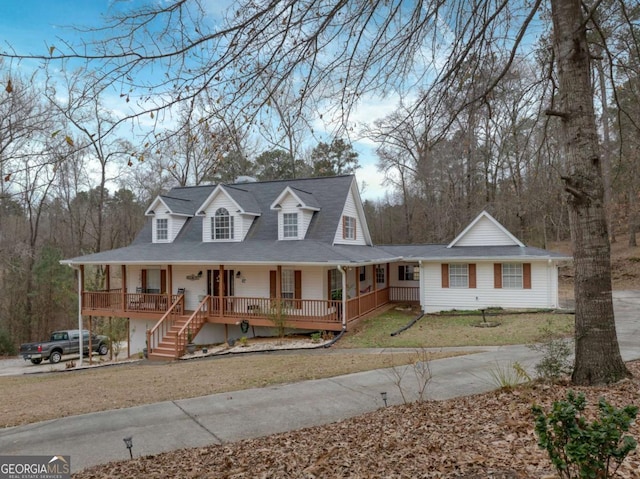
x,y
193,288
485,233
290,205
245,222
350,210
223,201
306,219
543,292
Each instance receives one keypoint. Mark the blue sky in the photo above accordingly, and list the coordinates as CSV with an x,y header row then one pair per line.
x,y
32,26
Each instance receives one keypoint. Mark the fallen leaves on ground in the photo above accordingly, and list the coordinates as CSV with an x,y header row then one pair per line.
x,y
487,436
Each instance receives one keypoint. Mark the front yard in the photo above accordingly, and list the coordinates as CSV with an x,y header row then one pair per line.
x,y
455,329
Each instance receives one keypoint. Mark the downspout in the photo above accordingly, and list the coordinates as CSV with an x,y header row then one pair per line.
x,y
421,287
344,298
80,338
344,307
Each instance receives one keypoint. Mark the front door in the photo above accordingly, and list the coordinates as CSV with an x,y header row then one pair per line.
x,y
213,285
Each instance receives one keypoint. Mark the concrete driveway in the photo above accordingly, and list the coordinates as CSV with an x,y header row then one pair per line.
x,y
216,419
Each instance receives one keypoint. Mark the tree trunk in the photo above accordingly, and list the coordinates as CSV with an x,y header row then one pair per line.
x,y
597,354
606,153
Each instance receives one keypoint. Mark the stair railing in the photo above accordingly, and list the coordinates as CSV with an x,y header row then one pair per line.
x,y
193,324
162,327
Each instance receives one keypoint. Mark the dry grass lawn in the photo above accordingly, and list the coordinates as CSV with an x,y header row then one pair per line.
x,y
133,384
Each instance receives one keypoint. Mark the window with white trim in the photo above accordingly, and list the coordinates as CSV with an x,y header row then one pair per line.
x,y
458,275
290,225
162,229
349,227
222,225
512,275
380,274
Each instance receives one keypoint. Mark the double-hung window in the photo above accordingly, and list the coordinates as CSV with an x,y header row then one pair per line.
x,y
349,227
512,275
379,275
162,229
290,225
222,225
458,275
288,285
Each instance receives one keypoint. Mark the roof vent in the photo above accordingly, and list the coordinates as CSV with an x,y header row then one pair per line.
x,y
246,179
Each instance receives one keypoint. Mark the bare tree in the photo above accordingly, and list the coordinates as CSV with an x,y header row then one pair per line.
x,y
91,129
340,51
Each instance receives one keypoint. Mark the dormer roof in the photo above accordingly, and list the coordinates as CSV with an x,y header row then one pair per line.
x,y
243,200
170,205
306,200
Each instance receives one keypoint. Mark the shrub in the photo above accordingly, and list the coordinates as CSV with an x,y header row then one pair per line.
x,y
556,355
578,448
508,376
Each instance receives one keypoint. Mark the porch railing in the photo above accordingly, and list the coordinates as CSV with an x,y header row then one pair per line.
x,y
102,300
317,309
404,294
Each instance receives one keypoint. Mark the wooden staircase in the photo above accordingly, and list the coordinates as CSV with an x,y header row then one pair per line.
x,y
166,348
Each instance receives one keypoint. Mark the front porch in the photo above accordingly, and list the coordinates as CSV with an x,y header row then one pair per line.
x,y
309,314
174,324
311,298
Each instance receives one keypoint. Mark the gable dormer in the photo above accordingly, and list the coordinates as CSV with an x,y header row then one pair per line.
x,y
295,209
485,230
168,217
352,227
227,214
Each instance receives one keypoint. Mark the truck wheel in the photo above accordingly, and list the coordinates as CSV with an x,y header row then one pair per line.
x,y
36,361
103,349
55,357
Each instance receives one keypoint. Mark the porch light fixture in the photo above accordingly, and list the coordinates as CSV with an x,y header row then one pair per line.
x,y
238,274
384,397
128,442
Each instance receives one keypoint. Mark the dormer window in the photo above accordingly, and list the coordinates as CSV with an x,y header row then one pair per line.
x,y
348,227
222,225
162,229
290,225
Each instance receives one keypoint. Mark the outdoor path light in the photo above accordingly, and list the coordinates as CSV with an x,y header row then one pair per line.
x,y
384,398
128,442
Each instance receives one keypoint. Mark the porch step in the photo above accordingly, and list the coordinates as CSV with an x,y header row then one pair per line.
x,y
157,356
165,350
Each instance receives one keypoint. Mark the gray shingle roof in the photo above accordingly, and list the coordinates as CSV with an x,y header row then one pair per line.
x,y
437,252
307,198
268,252
261,244
244,198
178,206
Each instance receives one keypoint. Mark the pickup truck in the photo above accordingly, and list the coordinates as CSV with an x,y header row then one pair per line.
x,y
62,342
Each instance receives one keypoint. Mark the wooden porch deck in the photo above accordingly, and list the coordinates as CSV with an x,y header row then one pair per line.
x,y
168,338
